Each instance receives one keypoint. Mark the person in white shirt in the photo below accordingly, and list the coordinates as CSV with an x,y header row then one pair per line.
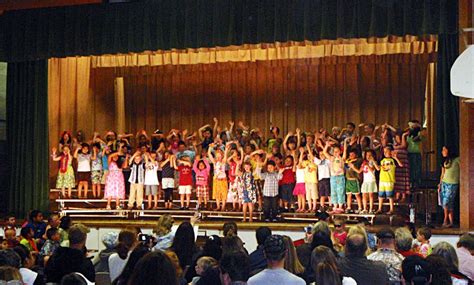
x,y
127,241
275,252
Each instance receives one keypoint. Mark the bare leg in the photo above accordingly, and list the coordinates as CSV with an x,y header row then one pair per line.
x,y
322,201
371,202
205,202
149,202
63,193
245,212
99,190
181,197
251,212
108,203
156,201
390,200
364,201
188,199
380,204
359,202
86,189
349,201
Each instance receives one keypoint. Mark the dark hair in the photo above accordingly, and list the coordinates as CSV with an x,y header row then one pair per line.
x,y
232,244
416,270
73,279
441,275
351,124
356,245
425,232
160,265
290,157
25,231
262,233
34,214
126,240
322,239
213,247
85,145
229,229
237,265
184,244
8,257
467,241
61,140
65,223
51,232
271,162
275,248
97,145
323,263
129,268
23,252
278,155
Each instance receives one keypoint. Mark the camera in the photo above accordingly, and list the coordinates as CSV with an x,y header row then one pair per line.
x,y
145,239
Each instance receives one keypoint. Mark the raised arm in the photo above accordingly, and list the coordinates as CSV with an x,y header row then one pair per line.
x,y
94,154
209,153
285,141
326,153
54,155
298,138
76,152
310,153
344,154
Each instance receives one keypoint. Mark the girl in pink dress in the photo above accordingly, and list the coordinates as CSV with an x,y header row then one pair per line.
x,y
115,183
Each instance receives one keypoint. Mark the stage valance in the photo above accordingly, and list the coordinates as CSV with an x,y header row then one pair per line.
x,y
180,24
276,51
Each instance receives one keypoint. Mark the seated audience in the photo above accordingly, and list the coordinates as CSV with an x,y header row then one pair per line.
x,y
53,222
440,272
212,248
51,244
465,252
10,237
404,242
275,253
232,243
257,258
387,254
127,241
9,274
139,251
101,261
37,224
356,265
160,264
235,268
27,263
184,246
304,250
8,257
75,279
179,271
27,239
292,263
63,229
71,259
229,229
423,236
339,235
10,222
202,265
164,235
416,270
448,252
326,271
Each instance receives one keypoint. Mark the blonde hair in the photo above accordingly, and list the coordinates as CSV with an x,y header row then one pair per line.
x,y
164,225
321,226
359,230
206,262
292,262
8,273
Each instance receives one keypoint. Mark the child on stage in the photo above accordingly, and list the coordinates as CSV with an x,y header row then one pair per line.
x,y
136,179
66,172
249,190
184,168
300,191
151,180
96,170
167,180
202,169
270,191
387,178
337,177
115,184
219,183
83,169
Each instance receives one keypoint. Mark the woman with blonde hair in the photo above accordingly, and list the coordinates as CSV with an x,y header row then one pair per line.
x,y
292,263
164,235
356,229
8,273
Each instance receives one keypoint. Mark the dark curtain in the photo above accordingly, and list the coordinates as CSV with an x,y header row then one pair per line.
x,y
167,24
27,133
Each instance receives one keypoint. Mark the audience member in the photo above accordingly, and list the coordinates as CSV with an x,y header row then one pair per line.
x,y
184,244
8,257
465,252
292,263
10,222
75,279
127,241
275,253
356,265
10,237
387,254
416,270
37,224
9,273
63,229
164,235
235,268
232,243
440,272
212,248
210,277
257,257
71,259
202,265
339,235
139,251
101,261
448,252
229,229
160,264
179,271
27,262
363,222
326,271
51,244
53,222
27,239
423,236
404,242
304,250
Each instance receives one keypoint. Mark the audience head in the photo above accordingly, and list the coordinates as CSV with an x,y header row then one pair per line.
x,y
229,229
27,232
127,239
322,238
440,272
323,263
183,243
9,273
27,260
449,254
231,244
321,226
356,245
386,238
416,270
423,234
10,220
10,234
175,261
53,234
275,249
292,263
467,241
110,240
78,235
8,257
36,216
54,220
403,239
262,233
204,263
65,223
3,243
158,263
75,279
235,267
213,247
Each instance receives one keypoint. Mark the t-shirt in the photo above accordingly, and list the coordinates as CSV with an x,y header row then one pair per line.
x,y
105,162
97,163
310,172
167,171
387,170
413,146
83,162
219,170
323,168
151,173
300,175
275,276
232,168
368,174
185,175
288,176
351,174
337,166
451,171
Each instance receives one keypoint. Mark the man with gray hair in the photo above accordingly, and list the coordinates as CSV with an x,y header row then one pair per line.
x,y
404,242
465,252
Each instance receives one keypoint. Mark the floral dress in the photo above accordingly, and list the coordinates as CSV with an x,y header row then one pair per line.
x,y
65,177
249,190
115,183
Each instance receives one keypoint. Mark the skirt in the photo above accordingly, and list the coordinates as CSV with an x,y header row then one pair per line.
x,y
66,180
299,189
448,194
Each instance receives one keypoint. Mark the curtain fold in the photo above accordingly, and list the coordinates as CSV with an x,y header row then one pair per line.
x,y
179,24
27,133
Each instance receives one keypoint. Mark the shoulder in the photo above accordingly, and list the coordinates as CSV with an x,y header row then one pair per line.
x,y
348,281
